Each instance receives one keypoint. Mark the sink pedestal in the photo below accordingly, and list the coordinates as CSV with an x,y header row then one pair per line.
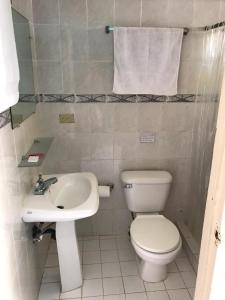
x,y
69,256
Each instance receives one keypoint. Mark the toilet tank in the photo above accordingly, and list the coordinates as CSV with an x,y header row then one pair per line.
x,y
146,191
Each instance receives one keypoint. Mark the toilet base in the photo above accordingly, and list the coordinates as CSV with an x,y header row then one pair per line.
x,y
151,272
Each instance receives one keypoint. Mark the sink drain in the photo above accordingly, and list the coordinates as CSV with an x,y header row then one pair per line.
x,y
60,206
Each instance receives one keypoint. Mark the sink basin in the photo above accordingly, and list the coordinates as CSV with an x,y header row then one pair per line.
x,y
74,196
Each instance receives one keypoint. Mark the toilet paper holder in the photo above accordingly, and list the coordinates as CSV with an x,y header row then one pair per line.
x,y
110,185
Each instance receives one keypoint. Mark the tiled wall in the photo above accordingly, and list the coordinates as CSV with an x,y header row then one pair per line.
x,y
21,261
75,56
105,140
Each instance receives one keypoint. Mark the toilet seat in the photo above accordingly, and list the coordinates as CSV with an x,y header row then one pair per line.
x,y
155,233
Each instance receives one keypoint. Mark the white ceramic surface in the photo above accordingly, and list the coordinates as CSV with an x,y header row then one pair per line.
x,y
76,192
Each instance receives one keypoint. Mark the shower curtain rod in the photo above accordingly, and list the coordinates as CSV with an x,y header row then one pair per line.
x,y
110,28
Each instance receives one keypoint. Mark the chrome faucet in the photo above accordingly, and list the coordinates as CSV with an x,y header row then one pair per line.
x,y
42,185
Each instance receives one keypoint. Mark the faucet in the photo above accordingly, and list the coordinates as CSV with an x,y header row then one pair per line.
x,y
42,185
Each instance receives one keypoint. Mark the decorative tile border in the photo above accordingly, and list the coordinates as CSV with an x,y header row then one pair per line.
x,y
29,98
4,118
57,98
114,98
182,98
151,98
90,98
122,98
102,98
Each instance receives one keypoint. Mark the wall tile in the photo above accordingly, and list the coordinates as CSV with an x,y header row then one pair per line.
x,y
180,13
125,145
73,12
155,13
74,43
150,117
49,77
211,9
100,13
100,44
125,118
88,78
127,12
102,117
47,42
46,11
102,146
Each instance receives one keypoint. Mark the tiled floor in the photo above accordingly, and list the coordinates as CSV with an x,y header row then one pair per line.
x,y
110,273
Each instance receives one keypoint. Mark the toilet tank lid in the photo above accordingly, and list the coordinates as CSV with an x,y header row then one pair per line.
x,y
146,177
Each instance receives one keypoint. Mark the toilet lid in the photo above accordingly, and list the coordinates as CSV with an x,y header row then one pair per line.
x,y
155,233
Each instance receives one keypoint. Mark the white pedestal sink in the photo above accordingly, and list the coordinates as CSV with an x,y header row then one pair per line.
x,y
74,196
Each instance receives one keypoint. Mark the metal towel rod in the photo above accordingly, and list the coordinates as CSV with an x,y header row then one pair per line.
x,y
110,28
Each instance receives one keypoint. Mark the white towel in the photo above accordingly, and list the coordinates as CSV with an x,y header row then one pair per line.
x,y
146,60
9,70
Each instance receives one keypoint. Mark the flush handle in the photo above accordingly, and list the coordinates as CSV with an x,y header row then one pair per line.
x,y
128,186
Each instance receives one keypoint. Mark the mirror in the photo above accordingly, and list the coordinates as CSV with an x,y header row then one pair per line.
x,y
27,102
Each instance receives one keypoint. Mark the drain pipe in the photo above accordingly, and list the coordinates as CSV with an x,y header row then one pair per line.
x,y
38,231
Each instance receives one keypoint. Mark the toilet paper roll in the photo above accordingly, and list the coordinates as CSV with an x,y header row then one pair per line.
x,y
104,191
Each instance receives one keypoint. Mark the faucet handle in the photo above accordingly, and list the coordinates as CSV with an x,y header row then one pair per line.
x,y
40,179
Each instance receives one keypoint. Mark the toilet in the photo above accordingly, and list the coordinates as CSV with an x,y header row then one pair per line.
x,y
156,240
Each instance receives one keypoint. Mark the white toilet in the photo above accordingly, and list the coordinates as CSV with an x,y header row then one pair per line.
x,y
155,239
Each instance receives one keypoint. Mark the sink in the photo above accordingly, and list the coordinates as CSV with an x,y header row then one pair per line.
x,y
74,196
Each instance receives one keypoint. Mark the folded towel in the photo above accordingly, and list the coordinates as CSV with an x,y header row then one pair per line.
x,y
146,60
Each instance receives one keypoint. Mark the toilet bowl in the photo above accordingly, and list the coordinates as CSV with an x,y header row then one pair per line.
x,y
155,239
157,242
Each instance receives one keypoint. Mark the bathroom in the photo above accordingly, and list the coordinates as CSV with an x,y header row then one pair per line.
x,y
66,95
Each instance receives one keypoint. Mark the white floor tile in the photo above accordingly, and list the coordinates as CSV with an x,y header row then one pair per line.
x,y
107,237
182,254
74,294
52,260
172,268
115,297
136,296
159,295
129,268
49,291
92,287
183,265
109,256
113,286
123,243
126,254
174,281
189,279
179,295
51,275
133,284
111,270
92,271
91,245
108,244
92,257
90,237
192,292
154,286
92,298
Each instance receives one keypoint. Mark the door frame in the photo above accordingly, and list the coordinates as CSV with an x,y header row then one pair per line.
x,y
214,210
